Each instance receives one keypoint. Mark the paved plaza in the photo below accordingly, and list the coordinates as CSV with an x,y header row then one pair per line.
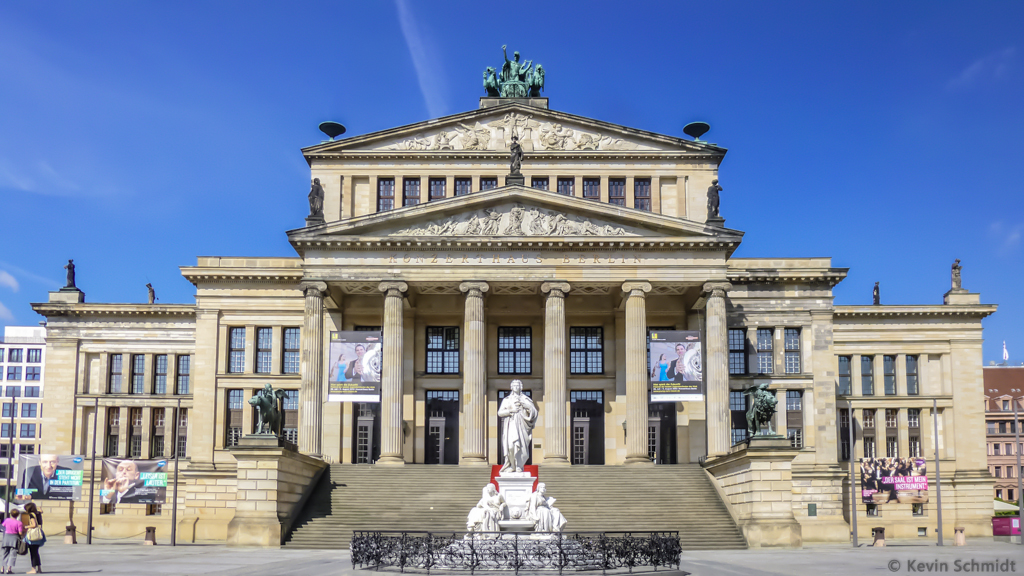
x,y
900,557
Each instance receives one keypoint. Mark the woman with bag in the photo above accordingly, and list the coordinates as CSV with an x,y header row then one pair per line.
x,y
13,529
34,536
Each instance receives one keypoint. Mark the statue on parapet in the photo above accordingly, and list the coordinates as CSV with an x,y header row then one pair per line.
x,y
876,297
316,199
761,410
714,199
516,79
269,414
151,293
955,280
71,274
517,156
491,82
519,416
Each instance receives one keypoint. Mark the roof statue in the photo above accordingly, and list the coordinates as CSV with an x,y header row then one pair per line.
x,y
955,279
516,79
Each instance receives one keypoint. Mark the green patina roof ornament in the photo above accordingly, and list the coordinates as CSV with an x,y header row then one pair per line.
x,y
696,130
515,80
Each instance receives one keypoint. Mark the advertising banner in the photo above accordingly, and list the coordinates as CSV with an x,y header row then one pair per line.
x,y
676,372
133,481
884,480
355,363
49,477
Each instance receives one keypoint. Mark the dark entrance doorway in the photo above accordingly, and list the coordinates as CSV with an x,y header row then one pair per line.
x,y
661,432
442,427
587,408
501,455
365,432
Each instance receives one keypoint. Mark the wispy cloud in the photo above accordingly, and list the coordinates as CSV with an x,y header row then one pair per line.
x,y
1005,236
34,277
7,280
5,314
989,67
41,177
426,61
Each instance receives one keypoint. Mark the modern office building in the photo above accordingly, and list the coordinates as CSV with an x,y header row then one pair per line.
x,y
22,366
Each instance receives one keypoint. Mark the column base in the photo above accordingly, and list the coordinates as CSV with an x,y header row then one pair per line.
x,y
639,461
555,461
390,461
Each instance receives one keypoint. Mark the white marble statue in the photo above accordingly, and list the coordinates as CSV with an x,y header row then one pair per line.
x,y
488,511
519,415
542,511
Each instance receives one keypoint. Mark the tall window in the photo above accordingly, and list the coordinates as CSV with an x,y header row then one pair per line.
x,y
738,412
867,376
410,191
891,447
33,372
234,418
385,194
737,351
792,343
8,406
764,351
15,355
160,374
156,443
113,431
869,420
617,191
35,356
913,418
236,350
182,447
437,188
869,447
290,418
642,194
795,418
184,365
138,374
488,182
912,387
292,355
592,188
891,418
539,182
442,350
115,373
586,350
264,353
844,434
845,383
891,433
514,348
889,375
567,186
135,433
463,186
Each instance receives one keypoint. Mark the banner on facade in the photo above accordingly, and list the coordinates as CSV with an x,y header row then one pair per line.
x,y
49,477
675,370
355,362
902,480
126,481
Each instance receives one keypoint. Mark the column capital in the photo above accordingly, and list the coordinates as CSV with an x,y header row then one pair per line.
x,y
393,288
636,288
319,288
474,287
716,289
555,289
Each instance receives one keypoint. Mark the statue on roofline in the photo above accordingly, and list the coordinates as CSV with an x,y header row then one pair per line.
x,y
516,79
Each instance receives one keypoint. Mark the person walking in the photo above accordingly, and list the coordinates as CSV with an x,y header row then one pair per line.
x,y
32,519
13,529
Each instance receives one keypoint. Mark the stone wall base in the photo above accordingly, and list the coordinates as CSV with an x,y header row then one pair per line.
x,y
764,533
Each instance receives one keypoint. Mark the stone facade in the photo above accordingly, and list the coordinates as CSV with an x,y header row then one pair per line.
x,y
1004,391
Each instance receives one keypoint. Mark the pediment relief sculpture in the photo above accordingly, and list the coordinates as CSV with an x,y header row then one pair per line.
x,y
515,220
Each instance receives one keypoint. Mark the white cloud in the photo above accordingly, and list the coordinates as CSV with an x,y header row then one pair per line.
x,y
7,280
424,58
5,314
34,277
988,67
1005,237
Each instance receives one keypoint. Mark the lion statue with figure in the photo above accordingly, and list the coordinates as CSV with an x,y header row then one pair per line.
x,y
762,403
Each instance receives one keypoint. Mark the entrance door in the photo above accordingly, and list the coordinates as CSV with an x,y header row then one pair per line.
x,y
661,432
587,426
501,455
442,427
366,433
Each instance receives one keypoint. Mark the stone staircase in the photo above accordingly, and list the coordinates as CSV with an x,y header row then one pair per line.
x,y
420,497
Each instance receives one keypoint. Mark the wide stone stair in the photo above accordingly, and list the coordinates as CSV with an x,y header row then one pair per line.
x,y
420,497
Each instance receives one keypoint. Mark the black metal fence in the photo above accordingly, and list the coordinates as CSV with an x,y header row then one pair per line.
x,y
515,551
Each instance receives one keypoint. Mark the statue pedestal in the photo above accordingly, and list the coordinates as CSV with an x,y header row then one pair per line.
x,y
516,488
68,296
314,220
515,179
716,221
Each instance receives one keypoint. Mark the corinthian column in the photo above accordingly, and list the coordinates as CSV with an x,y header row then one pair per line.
x,y
391,375
717,369
555,387
636,372
311,400
475,380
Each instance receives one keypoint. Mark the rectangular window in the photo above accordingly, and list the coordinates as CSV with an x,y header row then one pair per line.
x,y
891,447
234,418
35,355
991,427
995,450
586,350
138,374
160,374
567,186
410,191
792,342
113,430
998,472
437,188
264,350
913,418
737,351
539,182
845,384
14,355
1002,426
869,447
738,413
385,194
184,365
844,434
7,409
765,354
13,391
917,510
642,194
869,420
156,444
290,418
27,448
32,391
514,349
617,191
28,410
915,446
795,417
115,373
872,510
592,188
14,372
867,376
1006,405
891,418
796,437
5,430
236,350
182,447
135,433
33,372
794,400
463,186
889,375
442,350
912,387
488,182
290,363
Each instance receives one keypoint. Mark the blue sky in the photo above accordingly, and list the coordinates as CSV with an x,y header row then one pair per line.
x,y
136,136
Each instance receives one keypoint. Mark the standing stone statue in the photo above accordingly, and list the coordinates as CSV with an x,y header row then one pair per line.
x,y
517,156
519,416
875,296
316,199
71,274
152,293
955,275
714,199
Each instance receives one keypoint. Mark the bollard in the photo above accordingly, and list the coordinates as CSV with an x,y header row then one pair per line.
x,y
70,537
150,536
879,535
959,539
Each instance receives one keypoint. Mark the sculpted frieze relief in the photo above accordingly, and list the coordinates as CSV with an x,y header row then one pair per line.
x,y
514,220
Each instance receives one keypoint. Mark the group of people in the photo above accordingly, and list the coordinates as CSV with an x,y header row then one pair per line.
x,y
23,528
685,367
874,473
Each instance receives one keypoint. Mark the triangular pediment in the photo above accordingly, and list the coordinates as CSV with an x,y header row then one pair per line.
x,y
539,130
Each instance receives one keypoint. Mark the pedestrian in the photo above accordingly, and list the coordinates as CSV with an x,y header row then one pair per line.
x,y
13,529
33,519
